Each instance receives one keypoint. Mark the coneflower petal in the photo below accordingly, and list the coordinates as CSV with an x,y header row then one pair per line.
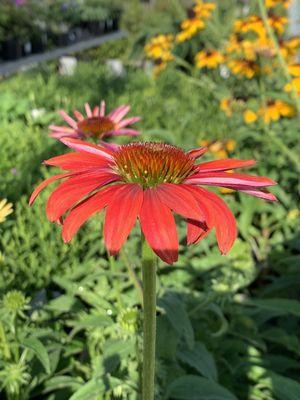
x,y
128,121
196,231
78,115
45,183
224,165
70,192
196,153
83,211
68,119
121,215
180,200
80,145
74,161
220,217
227,179
88,110
158,226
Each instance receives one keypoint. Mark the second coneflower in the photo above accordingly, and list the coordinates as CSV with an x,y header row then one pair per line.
x,y
96,124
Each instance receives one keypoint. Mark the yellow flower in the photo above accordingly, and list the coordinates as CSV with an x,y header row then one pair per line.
x,y
225,106
204,10
219,148
294,70
251,23
274,110
209,59
190,28
250,116
275,3
289,48
5,209
278,23
250,49
295,83
159,47
195,21
243,67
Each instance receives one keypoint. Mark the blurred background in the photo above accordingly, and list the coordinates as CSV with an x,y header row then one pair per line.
x,y
223,74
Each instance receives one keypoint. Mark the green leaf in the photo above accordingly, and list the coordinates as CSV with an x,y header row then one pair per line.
x,y
62,382
90,391
200,359
279,306
285,388
63,303
39,350
192,387
93,321
178,316
95,387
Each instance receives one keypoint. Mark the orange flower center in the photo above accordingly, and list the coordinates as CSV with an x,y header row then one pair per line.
x,y
150,164
96,126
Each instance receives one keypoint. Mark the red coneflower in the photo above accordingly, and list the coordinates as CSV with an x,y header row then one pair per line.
x,y
96,124
147,181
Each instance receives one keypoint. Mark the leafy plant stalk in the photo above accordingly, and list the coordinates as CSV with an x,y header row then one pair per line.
x,y
149,323
282,62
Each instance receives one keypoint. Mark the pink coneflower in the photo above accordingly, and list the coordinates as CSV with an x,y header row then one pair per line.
x,y
149,182
96,124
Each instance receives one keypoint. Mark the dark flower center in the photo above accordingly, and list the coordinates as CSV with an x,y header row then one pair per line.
x,y
96,126
150,164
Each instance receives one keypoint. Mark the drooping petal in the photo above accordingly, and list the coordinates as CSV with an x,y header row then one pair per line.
x,y
158,226
181,200
262,194
88,110
196,153
45,183
121,214
128,121
68,119
227,179
196,231
83,211
224,165
77,161
70,192
220,217
78,115
82,146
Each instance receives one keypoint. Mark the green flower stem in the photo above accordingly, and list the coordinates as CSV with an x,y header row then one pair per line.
x,y
149,325
282,61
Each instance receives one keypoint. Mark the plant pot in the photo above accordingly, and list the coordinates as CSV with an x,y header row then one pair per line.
x,y
116,23
62,39
109,24
96,27
39,43
11,49
26,48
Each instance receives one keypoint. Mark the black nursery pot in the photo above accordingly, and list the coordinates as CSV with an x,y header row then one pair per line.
x,y
11,49
96,27
38,44
109,25
62,39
